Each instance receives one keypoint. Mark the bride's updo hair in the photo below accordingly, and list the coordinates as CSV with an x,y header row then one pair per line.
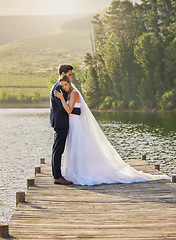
x,y
67,79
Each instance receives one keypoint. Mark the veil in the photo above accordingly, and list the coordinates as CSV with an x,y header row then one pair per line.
x,y
103,162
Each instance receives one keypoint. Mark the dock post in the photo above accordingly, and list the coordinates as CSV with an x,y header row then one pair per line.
x,y
143,157
157,166
20,197
37,170
173,178
30,183
42,160
4,230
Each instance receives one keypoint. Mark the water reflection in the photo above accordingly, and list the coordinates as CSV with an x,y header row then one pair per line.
x,y
158,121
133,134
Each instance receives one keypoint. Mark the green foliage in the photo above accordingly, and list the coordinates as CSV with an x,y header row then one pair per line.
x,y
111,51
114,105
3,95
36,96
90,87
21,97
107,103
12,94
158,97
134,56
120,104
132,105
52,79
146,51
168,101
78,75
170,64
23,88
22,80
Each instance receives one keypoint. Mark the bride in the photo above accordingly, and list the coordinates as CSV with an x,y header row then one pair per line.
x,y
89,157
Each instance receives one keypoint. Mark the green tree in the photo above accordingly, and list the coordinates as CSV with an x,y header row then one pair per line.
x,y
134,54
170,64
77,75
167,17
90,88
146,52
117,17
107,103
168,101
99,34
111,60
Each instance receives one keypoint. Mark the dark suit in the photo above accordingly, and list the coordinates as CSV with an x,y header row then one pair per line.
x,y
59,120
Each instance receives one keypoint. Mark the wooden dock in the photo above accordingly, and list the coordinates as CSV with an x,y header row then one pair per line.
x,y
116,211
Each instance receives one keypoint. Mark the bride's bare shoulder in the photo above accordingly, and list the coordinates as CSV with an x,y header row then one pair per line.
x,y
75,93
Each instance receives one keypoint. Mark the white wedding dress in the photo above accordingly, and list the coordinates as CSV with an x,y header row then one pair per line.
x,y
90,159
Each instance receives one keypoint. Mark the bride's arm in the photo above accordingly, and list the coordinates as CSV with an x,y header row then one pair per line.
x,y
73,97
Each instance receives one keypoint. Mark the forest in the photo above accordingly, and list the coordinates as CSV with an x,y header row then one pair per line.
x,y
133,60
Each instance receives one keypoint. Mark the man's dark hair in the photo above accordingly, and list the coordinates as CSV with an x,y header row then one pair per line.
x,y
68,67
62,68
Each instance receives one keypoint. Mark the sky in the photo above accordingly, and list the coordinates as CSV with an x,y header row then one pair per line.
x,y
51,7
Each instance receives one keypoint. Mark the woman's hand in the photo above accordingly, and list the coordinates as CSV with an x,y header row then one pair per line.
x,y
58,94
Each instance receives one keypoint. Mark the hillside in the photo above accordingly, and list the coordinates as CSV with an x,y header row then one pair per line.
x,y
45,51
25,64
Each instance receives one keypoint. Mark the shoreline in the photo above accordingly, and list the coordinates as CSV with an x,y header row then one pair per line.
x,y
134,111
47,105
24,105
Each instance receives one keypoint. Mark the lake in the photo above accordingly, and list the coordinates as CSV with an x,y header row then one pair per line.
x,y
26,136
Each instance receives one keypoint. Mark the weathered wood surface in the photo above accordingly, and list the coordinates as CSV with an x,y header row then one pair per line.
x,y
116,211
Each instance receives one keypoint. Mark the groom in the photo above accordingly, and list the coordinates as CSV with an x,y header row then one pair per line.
x,y
59,120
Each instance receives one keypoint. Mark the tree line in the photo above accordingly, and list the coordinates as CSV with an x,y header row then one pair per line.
x,y
20,97
133,59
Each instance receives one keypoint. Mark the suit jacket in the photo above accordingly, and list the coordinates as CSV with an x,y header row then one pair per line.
x,y
58,116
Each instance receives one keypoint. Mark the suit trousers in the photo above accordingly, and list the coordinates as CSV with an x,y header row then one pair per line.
x,y
60,136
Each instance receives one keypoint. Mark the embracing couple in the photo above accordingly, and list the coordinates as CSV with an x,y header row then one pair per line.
x,y
89,157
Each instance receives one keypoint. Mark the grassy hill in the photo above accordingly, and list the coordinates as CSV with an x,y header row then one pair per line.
x,y
25,61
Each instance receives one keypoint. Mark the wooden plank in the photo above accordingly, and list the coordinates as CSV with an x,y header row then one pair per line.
x,y
114,211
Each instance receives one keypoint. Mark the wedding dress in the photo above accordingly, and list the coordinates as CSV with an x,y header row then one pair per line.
x,y
90,159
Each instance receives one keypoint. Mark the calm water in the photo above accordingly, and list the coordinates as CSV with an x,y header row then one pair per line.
x,y
26,136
